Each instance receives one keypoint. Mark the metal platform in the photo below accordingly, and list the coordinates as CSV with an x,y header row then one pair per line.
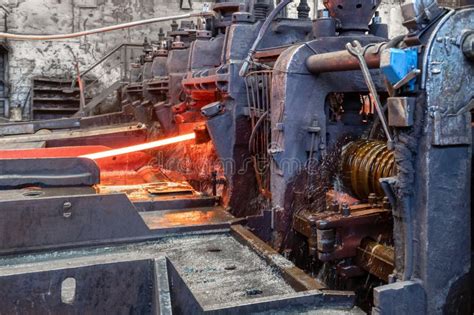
x,y
213,272
121,236
69,250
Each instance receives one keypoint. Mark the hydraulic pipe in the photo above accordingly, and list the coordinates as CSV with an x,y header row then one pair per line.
x,y
261,34
343,60
99,30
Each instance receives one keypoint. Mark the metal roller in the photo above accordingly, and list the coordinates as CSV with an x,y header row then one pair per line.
x,y
364,163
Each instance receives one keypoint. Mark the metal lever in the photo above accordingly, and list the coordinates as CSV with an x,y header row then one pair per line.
x,y
356,49
406,79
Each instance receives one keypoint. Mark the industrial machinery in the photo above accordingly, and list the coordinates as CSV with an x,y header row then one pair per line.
x,y
158,76
198,79
216,94
370,143
89,230
339,167
313,153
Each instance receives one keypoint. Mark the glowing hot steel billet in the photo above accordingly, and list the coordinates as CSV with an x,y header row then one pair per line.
x,y
139,147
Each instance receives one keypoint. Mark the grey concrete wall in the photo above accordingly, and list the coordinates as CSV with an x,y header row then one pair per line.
x,y
48,58
57,58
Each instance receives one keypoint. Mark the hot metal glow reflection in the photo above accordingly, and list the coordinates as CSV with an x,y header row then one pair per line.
x,y
139,147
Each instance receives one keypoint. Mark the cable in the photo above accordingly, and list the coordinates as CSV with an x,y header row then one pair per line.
x,y
261,34
99,30
254,130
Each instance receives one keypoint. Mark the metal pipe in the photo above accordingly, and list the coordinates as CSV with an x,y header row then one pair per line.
x,y
343,60
100,30
110,53
82,102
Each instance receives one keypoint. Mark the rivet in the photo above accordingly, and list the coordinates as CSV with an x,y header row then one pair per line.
x,y
66,206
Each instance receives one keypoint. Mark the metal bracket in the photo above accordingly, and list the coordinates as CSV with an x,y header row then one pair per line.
x,y
407,78
401,111
190,5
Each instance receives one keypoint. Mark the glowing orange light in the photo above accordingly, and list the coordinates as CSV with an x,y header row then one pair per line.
x,y
139,147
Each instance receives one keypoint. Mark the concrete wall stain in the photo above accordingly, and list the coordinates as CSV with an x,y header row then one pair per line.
x,y
48,58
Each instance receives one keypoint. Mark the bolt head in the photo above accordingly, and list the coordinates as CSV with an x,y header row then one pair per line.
x,y
66,209
468,46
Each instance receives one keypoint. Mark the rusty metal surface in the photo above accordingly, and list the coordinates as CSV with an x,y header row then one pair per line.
x,y
448,92
53,98
210,272
176,202
295,276
308,115
48,172
342,61
186,217
337,235
91,220
147,191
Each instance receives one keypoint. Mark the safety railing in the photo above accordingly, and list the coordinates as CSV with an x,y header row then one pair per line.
x,y
115,65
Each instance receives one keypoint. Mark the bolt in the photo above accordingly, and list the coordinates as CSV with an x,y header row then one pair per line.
x,y
321,224
346,210
66,206
468,46
312,220
372,198
334,206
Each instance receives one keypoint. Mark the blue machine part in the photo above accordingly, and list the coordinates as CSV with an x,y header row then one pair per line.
x,y
399,63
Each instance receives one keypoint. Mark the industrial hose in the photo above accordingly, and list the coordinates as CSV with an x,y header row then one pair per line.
x,y
261,33
102,29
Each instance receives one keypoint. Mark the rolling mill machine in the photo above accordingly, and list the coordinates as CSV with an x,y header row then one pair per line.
x,y
369,140
158,74
344,157
216,93
109,231
184,100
